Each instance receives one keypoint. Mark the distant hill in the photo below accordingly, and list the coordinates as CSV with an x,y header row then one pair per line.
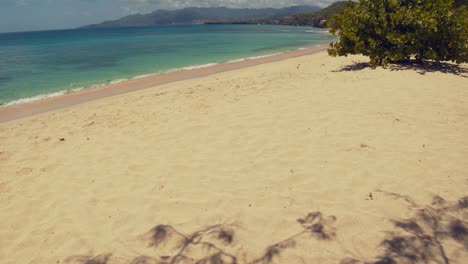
x,y
320,18
197,15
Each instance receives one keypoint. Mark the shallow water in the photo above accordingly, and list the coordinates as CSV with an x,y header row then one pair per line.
x,y
48,63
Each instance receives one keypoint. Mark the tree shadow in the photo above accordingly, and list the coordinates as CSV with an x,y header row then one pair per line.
x,y
420,238
144,260
87,259
431,66
211,243
211,240
314,225
427,66
356,66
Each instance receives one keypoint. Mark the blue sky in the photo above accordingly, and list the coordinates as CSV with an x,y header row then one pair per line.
x,y
27,15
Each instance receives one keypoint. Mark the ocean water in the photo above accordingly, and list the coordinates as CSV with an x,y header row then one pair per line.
x,y
35,65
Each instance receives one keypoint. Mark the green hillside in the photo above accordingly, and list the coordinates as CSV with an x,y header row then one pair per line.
x,y
322,18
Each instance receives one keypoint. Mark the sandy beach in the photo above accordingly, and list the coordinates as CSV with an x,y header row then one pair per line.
x,y
307,159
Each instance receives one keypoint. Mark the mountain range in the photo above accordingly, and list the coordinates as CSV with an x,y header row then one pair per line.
x,y
200,15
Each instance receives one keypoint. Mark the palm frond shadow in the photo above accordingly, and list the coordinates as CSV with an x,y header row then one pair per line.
x,y
427,66
420,238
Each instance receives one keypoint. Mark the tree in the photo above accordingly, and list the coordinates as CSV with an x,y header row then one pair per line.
x,y
392,31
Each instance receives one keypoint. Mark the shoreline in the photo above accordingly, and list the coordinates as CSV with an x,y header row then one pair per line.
x,y
44,96
20,110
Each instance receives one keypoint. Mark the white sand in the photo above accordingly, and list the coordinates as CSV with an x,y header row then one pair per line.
x,y
253,149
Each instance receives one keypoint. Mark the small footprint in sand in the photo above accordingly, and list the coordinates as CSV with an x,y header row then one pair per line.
x,y
24,171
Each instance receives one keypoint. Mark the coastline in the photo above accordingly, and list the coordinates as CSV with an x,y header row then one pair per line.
x,y
64,99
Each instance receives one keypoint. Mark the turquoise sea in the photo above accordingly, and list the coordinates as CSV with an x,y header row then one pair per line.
x,y
35,65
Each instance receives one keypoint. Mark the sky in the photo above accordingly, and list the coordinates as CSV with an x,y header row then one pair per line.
x,y
29,15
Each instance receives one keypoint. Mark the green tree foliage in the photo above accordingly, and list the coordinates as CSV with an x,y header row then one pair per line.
x,y
459,3
392,31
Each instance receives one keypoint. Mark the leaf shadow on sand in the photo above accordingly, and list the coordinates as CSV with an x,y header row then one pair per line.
x,y
214,242
314,225
427,66
420,238
211,240
88,259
